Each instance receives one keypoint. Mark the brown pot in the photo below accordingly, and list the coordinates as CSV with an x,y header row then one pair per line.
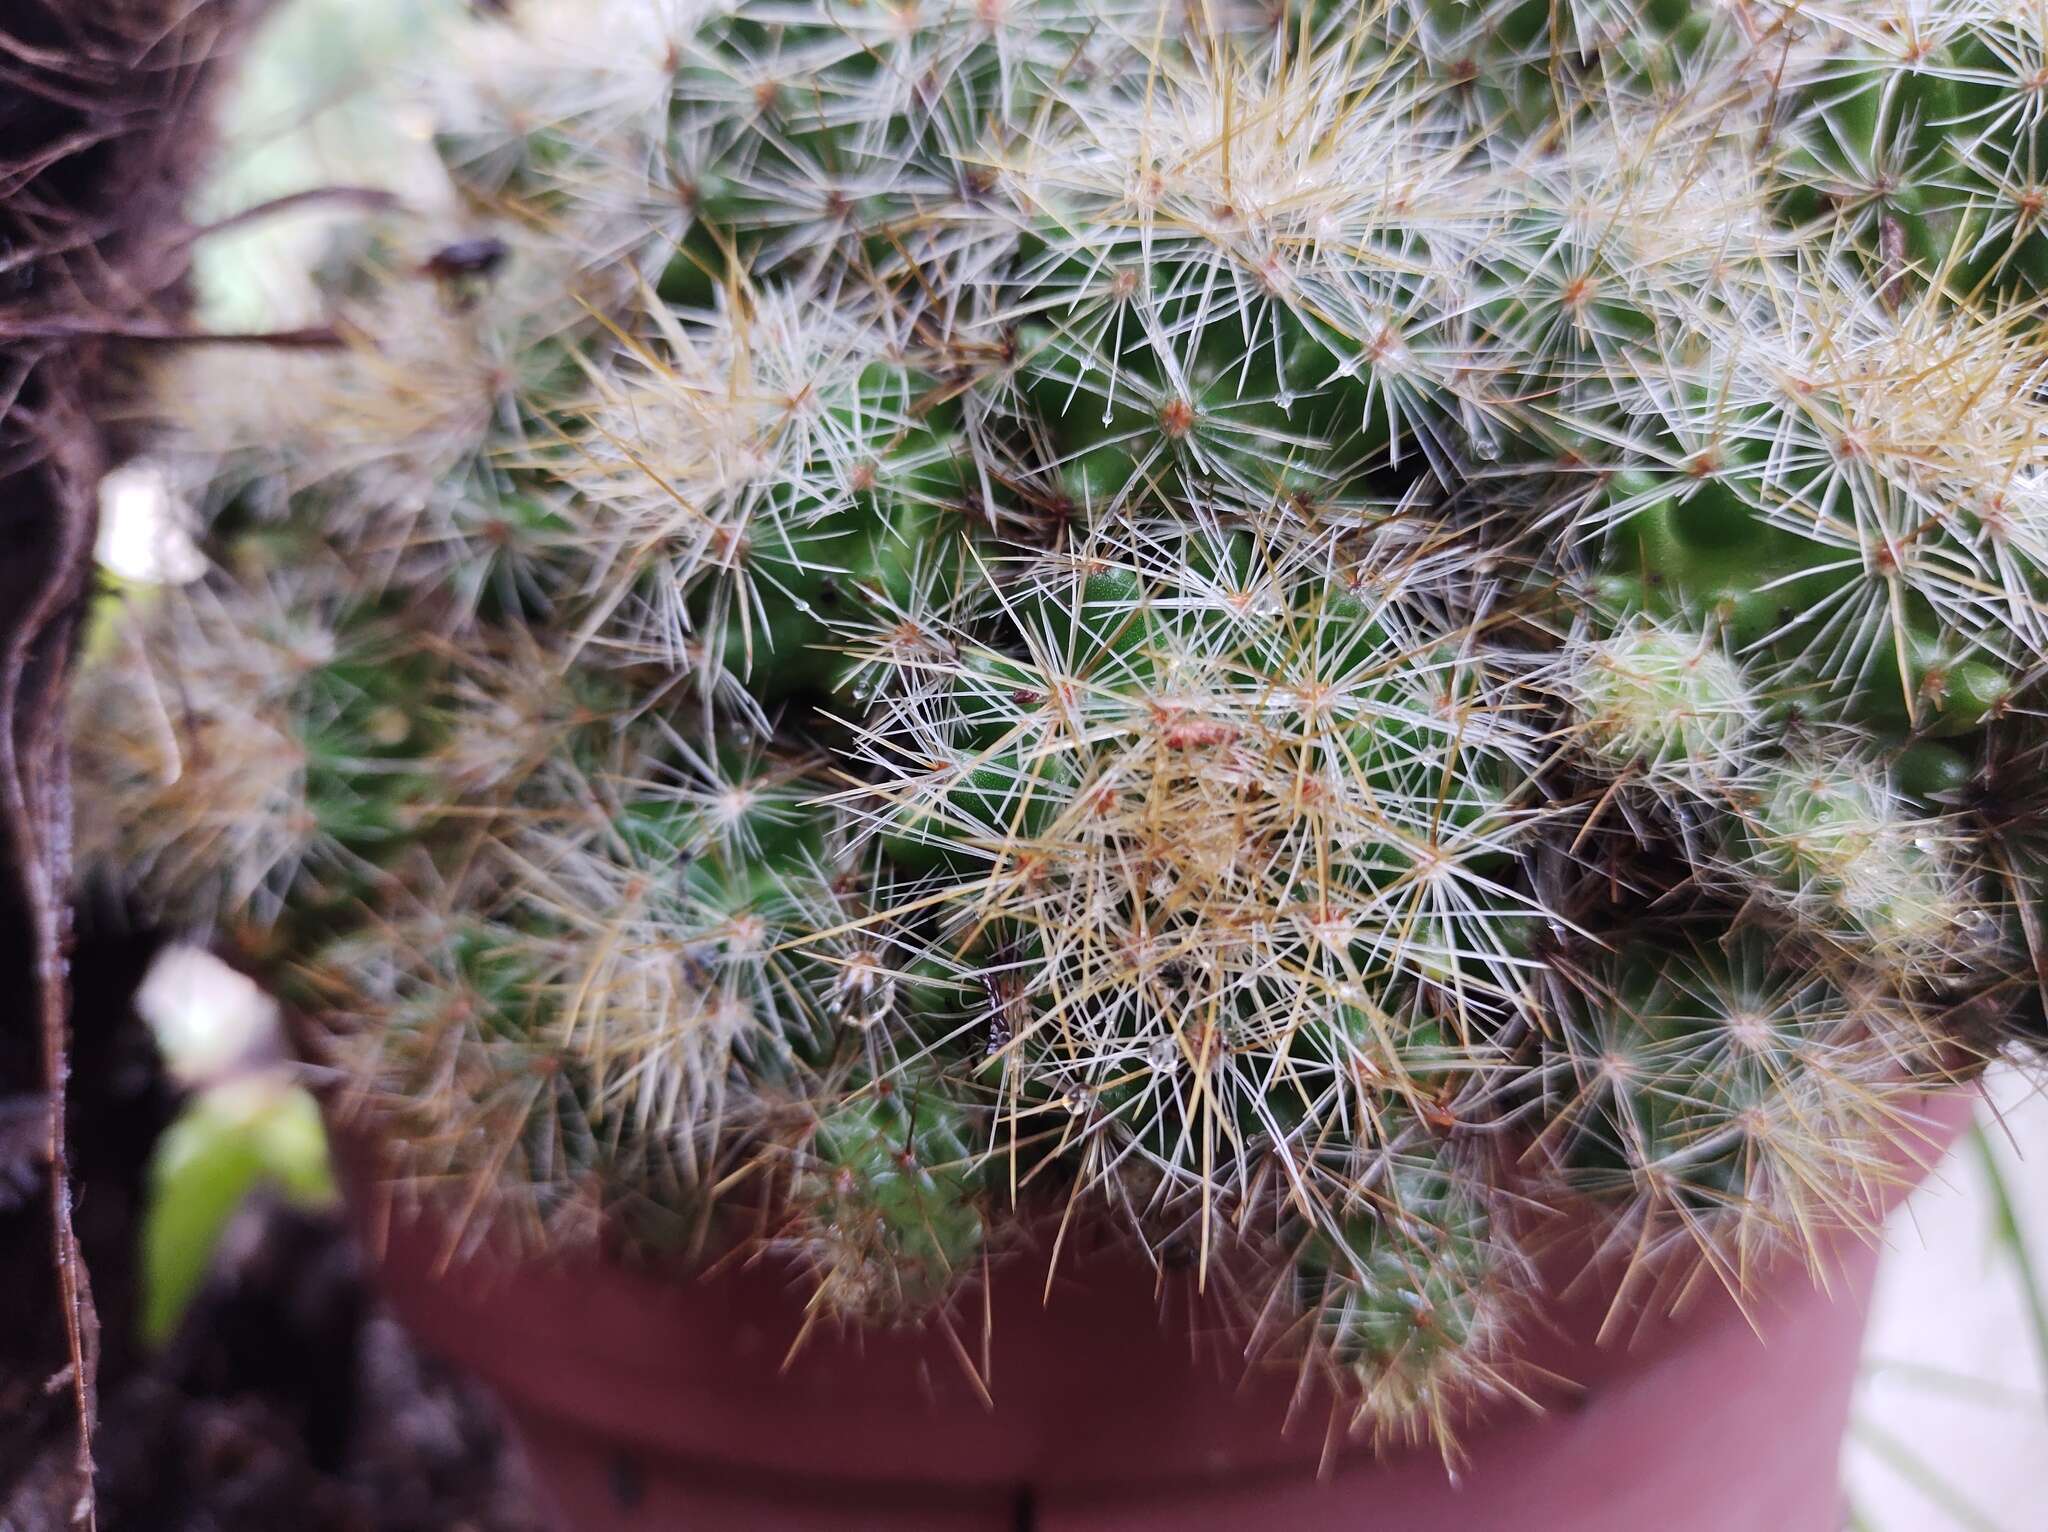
x,y
647,1403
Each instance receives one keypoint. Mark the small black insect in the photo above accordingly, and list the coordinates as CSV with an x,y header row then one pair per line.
x,y
465,258
1004,989
697,973
1000,1027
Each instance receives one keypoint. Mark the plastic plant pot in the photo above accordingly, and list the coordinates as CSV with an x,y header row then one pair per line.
x,y
647,1402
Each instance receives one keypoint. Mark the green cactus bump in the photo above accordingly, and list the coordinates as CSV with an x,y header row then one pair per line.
x,y
886,1205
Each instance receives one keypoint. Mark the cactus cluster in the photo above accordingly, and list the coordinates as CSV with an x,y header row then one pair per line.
x,y
1323,635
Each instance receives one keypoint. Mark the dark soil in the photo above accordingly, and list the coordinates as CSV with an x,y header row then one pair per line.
x,y
290,1400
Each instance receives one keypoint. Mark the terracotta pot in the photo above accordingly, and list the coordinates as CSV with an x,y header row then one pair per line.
x,y
659,1404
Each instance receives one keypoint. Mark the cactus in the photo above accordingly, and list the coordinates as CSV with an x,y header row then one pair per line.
x,y
885,1207
1318,634
1409,1292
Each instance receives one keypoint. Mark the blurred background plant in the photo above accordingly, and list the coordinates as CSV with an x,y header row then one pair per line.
x,y
319,100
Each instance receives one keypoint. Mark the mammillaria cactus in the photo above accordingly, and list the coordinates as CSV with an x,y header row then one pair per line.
x,y
1317,634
